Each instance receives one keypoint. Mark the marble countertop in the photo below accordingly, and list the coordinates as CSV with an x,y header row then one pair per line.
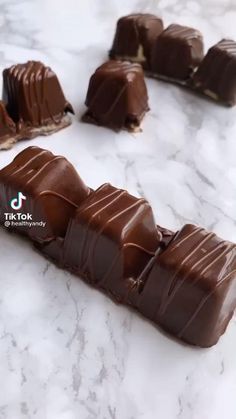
x,y
67,351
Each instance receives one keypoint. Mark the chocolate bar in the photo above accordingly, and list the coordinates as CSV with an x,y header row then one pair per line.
x,y
117,96
216,75
177,52
184,282
191,288
134,38
55,249
7,128
35,100
45,188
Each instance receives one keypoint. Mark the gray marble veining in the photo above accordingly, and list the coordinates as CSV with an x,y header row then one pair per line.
x,y
67,351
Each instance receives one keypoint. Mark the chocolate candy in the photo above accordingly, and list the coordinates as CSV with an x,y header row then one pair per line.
x,y
7,128
177,52
216,75
46,187
191,288
117,96
134,38
110,239
35,100
185,282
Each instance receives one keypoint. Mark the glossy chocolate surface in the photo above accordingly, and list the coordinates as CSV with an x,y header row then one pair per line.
x,y
134,38
110,239
216,76
191,288
167,236
185,282
177,52
7,126
33,94
117,96
52,187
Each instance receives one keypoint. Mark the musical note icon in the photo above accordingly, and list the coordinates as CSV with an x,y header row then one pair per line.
x,y
16,203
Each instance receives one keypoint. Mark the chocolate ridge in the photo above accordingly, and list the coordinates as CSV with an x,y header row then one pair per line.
x,y
35,101
193,257
135,42
28,173
126,109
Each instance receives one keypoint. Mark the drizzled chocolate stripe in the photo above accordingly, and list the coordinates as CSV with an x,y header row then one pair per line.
x,y
172,286
15,168
42,169
108,89
117,66
206,298
47,181
228,45
98,219
88,248
183,31
67,249
200,262
92,247
83,262
29,89
138,281
182,274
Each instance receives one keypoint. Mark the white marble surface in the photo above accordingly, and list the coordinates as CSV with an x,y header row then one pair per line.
x,y
67,351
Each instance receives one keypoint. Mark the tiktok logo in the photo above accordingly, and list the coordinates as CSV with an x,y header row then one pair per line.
x,y
16,203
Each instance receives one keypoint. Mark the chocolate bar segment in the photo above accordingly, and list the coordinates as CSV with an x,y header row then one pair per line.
x,y
52,190
134,38
191,288
110,239
185,282
216,75
117,96
35,100
7,128
177,53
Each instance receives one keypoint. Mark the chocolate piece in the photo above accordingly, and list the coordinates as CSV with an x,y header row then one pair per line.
x,y
167,236
177,52
7,128
216,75
110,239
191,288
53,250
184,282
134,38
52,191
35,100
117,96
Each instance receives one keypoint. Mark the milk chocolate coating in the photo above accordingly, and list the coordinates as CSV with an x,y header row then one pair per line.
x,y
134,38
52,187
34,98
191,288
185,282
7,127
216,75
177,52
167,236
110,239
117,96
